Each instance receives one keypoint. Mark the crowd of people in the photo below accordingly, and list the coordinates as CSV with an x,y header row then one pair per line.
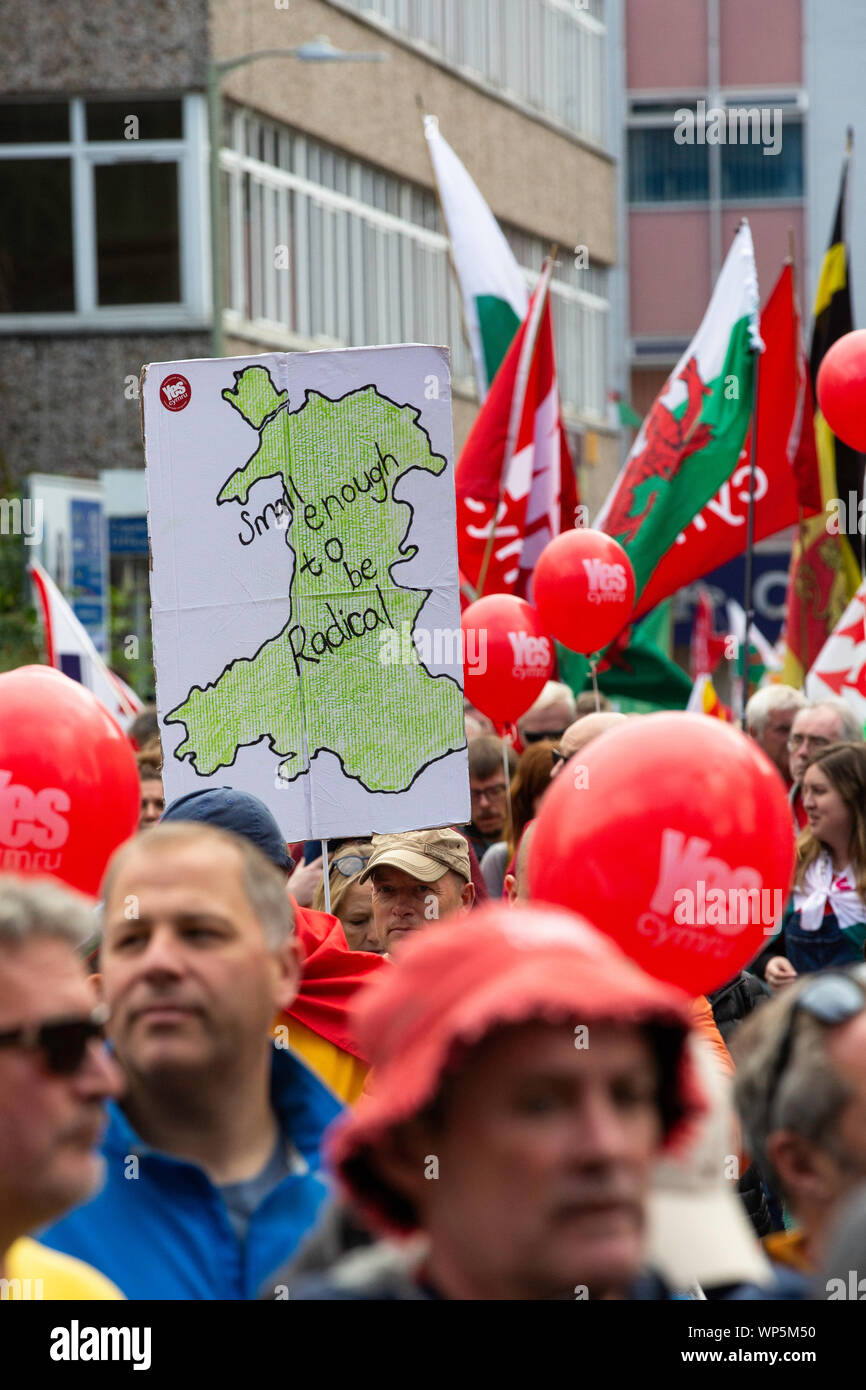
x,y
231,1079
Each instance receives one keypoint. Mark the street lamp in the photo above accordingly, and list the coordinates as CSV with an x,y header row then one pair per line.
x,y
318,50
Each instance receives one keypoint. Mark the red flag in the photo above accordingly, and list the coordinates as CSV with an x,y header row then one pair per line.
x,y
707,648
786,461
515,465
332,975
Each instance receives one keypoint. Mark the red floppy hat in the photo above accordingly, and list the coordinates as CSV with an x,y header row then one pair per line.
x,y
456,983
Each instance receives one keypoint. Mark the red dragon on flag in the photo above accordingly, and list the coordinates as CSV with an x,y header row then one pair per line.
x,y
670,441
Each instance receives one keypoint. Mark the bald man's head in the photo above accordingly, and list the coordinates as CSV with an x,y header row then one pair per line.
x,y
584,730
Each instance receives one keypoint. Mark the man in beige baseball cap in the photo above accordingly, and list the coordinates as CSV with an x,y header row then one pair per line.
x,y
418,877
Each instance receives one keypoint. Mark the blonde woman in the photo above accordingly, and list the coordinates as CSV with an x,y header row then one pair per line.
x,y
351,901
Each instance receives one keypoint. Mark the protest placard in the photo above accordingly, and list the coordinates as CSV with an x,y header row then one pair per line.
x,y
304,585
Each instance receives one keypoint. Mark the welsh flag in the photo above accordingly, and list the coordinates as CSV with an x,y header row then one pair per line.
x,y
786,469
493,287
691,440
840,668
514,479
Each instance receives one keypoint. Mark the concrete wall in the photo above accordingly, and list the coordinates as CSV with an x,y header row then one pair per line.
x,y
669,270
761,44
108,46
529,174
836,84
667,44
62,402
63,407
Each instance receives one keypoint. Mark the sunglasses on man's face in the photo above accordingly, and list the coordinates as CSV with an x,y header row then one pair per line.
x,y
552,735
832,998
63,1043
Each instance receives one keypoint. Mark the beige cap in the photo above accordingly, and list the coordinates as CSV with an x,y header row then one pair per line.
x,y
425,854
698,1230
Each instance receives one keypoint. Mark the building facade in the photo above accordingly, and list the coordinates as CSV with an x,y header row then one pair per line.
x,y
683,193
728,109
330,228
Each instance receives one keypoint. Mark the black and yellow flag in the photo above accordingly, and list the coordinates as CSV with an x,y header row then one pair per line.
x,y
832,321
826,566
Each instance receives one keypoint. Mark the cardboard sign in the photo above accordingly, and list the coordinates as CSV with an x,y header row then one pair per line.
x,y
304,585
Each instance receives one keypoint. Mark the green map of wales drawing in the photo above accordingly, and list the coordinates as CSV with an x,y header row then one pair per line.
x,y
321,683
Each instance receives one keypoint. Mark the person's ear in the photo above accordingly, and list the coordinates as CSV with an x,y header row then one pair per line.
x,y
467,896
95,982
403,1159
288,959
805,1170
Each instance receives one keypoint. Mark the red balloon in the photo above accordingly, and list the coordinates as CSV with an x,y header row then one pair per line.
x,y
69,788
842,388
671,833
508,656
583,588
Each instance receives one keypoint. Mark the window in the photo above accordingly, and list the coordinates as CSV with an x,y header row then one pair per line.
x,y
747,172
661,171
36,263
309,264
748,149
104,204
549,54
137,238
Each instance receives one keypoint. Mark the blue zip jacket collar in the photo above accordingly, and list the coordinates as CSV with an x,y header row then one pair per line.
x,y
160,1228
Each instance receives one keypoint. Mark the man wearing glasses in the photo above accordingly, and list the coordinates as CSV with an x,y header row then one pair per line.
x,y
770,715
814,728
489,792
55,1078
800,1090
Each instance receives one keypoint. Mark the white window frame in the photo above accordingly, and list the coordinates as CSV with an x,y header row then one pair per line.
x,y
521,78
428,302
188,153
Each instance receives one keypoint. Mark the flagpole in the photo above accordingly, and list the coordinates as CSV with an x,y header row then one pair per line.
x,y
450,253
523,366
327,879
467,337
849,151
509,816
748,596
801,515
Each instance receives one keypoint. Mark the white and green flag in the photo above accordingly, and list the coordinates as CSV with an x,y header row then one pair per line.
x,y
495,295
690,442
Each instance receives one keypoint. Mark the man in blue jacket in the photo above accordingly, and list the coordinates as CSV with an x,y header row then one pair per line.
x,y
212,1153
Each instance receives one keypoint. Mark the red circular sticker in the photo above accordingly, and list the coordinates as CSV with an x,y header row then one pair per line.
x,y
175,392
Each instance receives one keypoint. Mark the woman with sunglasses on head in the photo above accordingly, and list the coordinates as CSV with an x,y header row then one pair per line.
x,y
351,901
825,924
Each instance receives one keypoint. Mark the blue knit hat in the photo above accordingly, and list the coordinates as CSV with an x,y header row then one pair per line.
x,y
234,810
